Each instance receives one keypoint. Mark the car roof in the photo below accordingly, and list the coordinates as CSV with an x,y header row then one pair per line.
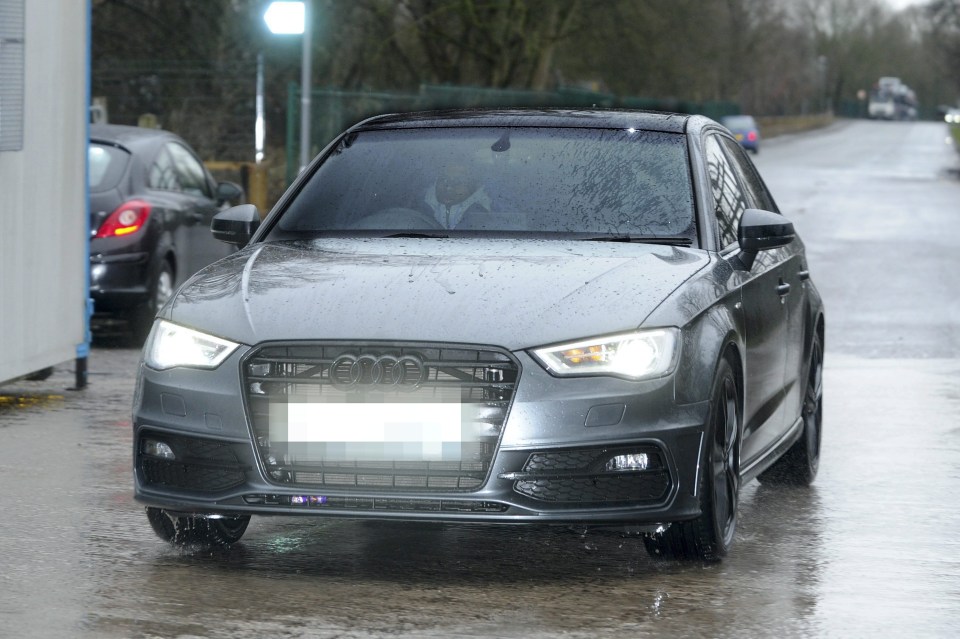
x,y
129,137
560,118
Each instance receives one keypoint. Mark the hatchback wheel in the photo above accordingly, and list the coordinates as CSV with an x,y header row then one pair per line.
x,y
710,536
181,530
142,317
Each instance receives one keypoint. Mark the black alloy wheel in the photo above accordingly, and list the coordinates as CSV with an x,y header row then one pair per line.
x,y
710,536
182,530
799,465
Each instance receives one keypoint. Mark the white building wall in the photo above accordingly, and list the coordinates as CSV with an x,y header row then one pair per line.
x,y
43,219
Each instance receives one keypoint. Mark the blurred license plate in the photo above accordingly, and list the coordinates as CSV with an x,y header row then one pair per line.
x,y
369,431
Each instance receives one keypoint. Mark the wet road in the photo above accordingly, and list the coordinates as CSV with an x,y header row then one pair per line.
x,y
873,549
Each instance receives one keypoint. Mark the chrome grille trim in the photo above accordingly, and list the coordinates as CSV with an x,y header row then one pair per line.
x,y
482,376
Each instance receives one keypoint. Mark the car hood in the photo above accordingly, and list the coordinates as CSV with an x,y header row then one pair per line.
x,y
511,293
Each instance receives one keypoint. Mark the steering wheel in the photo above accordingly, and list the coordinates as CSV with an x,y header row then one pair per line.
x,y
398,218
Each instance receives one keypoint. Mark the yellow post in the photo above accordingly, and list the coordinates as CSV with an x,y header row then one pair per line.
x,y
257,193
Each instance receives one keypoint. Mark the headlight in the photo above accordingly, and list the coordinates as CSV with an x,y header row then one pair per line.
x,y
170,345
637,355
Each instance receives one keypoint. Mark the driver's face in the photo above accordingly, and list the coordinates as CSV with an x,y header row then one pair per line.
x,y
455,184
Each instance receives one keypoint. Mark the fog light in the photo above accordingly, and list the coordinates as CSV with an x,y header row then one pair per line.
x,y
154,448
632,461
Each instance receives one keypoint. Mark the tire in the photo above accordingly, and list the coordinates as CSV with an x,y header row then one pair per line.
x,y
203,531
710,536
141,320
799,465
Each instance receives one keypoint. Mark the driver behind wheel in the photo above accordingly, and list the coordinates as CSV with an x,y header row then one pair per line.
x,y
456,192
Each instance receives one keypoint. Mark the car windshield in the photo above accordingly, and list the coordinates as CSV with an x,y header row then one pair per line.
x,y
589,182
107,164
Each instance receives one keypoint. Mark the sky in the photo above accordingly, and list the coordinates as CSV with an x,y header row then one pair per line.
x,y
903,4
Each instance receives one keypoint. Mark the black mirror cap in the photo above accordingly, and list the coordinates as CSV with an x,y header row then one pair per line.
x,y
228,191
236,225
763,230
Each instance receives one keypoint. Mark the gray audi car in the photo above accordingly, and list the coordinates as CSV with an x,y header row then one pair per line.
x,y
581,318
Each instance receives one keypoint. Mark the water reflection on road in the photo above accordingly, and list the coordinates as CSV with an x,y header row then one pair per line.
x,y
869,550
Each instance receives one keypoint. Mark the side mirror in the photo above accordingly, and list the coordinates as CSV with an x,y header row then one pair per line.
x,y
236,225
227,191
762,231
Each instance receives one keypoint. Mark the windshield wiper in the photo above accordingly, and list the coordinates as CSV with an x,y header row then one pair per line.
x,y
641,239
418,234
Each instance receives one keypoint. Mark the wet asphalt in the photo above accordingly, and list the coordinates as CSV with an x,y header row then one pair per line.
x,y
871,550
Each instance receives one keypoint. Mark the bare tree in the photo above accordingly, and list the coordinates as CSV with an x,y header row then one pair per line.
x,y
945,28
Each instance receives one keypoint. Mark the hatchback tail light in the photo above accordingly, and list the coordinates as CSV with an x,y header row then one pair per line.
x,y
128,218
752,136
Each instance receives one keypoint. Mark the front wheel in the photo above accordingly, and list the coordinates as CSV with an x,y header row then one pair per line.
x,y
710,536
181,530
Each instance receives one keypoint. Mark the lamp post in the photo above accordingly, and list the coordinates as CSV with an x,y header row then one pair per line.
x,y
822,72
283,17
259,132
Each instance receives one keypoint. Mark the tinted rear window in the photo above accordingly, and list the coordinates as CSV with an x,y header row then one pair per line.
x,y
530,180
107,165
739,122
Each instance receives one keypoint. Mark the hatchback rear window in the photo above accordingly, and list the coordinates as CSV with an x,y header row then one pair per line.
x,y
543,181
106,166
739,122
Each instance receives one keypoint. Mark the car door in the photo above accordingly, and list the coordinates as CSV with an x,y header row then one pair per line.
x,y
792,283
763,312
202,249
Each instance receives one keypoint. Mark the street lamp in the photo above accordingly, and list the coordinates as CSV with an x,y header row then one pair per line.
x,y
295,18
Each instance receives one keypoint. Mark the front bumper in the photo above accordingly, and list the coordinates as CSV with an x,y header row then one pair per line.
x,y
548,466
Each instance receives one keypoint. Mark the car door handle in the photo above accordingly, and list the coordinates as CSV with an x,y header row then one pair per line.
x,y
803,275
783,289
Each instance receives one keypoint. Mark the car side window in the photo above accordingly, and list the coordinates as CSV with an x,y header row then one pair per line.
x,y
192,177
163,175
728,200
757,192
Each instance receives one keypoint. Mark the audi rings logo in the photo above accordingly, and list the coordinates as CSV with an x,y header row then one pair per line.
x,y
383,370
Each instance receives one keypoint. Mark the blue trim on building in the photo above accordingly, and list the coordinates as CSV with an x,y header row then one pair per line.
x,y
83,349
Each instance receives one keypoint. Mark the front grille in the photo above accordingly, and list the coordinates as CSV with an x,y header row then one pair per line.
x,y
579,476
202,465
482,380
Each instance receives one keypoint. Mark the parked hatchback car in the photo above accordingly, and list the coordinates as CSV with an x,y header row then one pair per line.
x,y
745,130
151,205
611,325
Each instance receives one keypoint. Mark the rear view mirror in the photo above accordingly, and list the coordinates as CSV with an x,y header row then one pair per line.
x,y
227,191
762,231
236,225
